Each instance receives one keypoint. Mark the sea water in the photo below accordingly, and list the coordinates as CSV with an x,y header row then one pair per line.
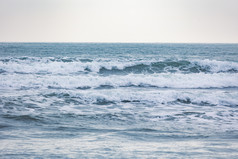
x,y
116,100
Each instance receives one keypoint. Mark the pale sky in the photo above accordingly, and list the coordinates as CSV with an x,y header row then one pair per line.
x,y
202,21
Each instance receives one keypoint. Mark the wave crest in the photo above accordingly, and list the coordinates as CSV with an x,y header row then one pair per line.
x,y
104,66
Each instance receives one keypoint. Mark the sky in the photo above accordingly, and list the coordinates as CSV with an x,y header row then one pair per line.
x,y
173,21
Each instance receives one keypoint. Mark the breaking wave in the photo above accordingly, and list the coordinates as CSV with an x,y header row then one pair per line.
x,y
27,65
163,80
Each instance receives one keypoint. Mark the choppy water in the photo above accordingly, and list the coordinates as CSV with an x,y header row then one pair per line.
x,y
90,100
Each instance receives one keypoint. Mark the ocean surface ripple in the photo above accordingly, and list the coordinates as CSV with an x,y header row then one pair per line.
x,y
91,100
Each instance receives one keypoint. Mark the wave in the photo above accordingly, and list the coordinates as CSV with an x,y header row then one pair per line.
x,y
27,65
84,82
26,118
92,102
169,97
121,96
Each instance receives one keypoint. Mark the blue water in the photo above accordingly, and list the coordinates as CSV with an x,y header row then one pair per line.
x,y
116,100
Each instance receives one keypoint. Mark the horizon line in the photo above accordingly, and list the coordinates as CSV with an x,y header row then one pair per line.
x,y
119,42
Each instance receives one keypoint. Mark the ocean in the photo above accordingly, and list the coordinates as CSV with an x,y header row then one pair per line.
x,y
118,100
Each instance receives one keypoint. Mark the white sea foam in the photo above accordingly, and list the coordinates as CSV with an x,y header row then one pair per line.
x,y
217,66
47,65
203,105
197,97
164,80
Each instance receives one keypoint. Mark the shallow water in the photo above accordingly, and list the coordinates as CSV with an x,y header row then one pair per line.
x,y
90,100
